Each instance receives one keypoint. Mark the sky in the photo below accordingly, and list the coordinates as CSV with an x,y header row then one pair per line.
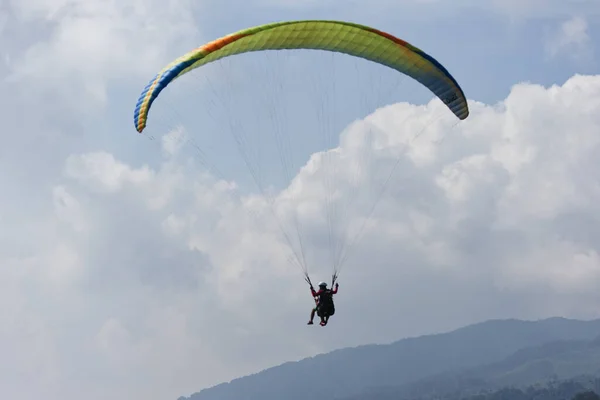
x,y
130,269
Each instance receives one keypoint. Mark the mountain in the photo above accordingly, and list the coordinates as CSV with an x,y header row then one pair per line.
x,y
568,362
351,372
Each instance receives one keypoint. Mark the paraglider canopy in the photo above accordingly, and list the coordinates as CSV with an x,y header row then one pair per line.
x,y
344,37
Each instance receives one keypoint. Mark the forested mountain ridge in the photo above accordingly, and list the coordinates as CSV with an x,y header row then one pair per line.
x,y
352,372
548,368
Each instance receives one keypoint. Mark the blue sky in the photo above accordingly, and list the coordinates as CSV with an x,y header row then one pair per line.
x,y
122,254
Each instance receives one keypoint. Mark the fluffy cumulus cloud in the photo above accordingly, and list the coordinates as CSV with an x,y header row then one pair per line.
x,y
150,282
93,43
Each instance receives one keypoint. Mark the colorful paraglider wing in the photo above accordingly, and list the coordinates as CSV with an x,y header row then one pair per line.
x,y
343,37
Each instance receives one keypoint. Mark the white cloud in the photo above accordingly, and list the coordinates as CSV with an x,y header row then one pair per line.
x,y
100,171
92,43
174,141
153,282
571,39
